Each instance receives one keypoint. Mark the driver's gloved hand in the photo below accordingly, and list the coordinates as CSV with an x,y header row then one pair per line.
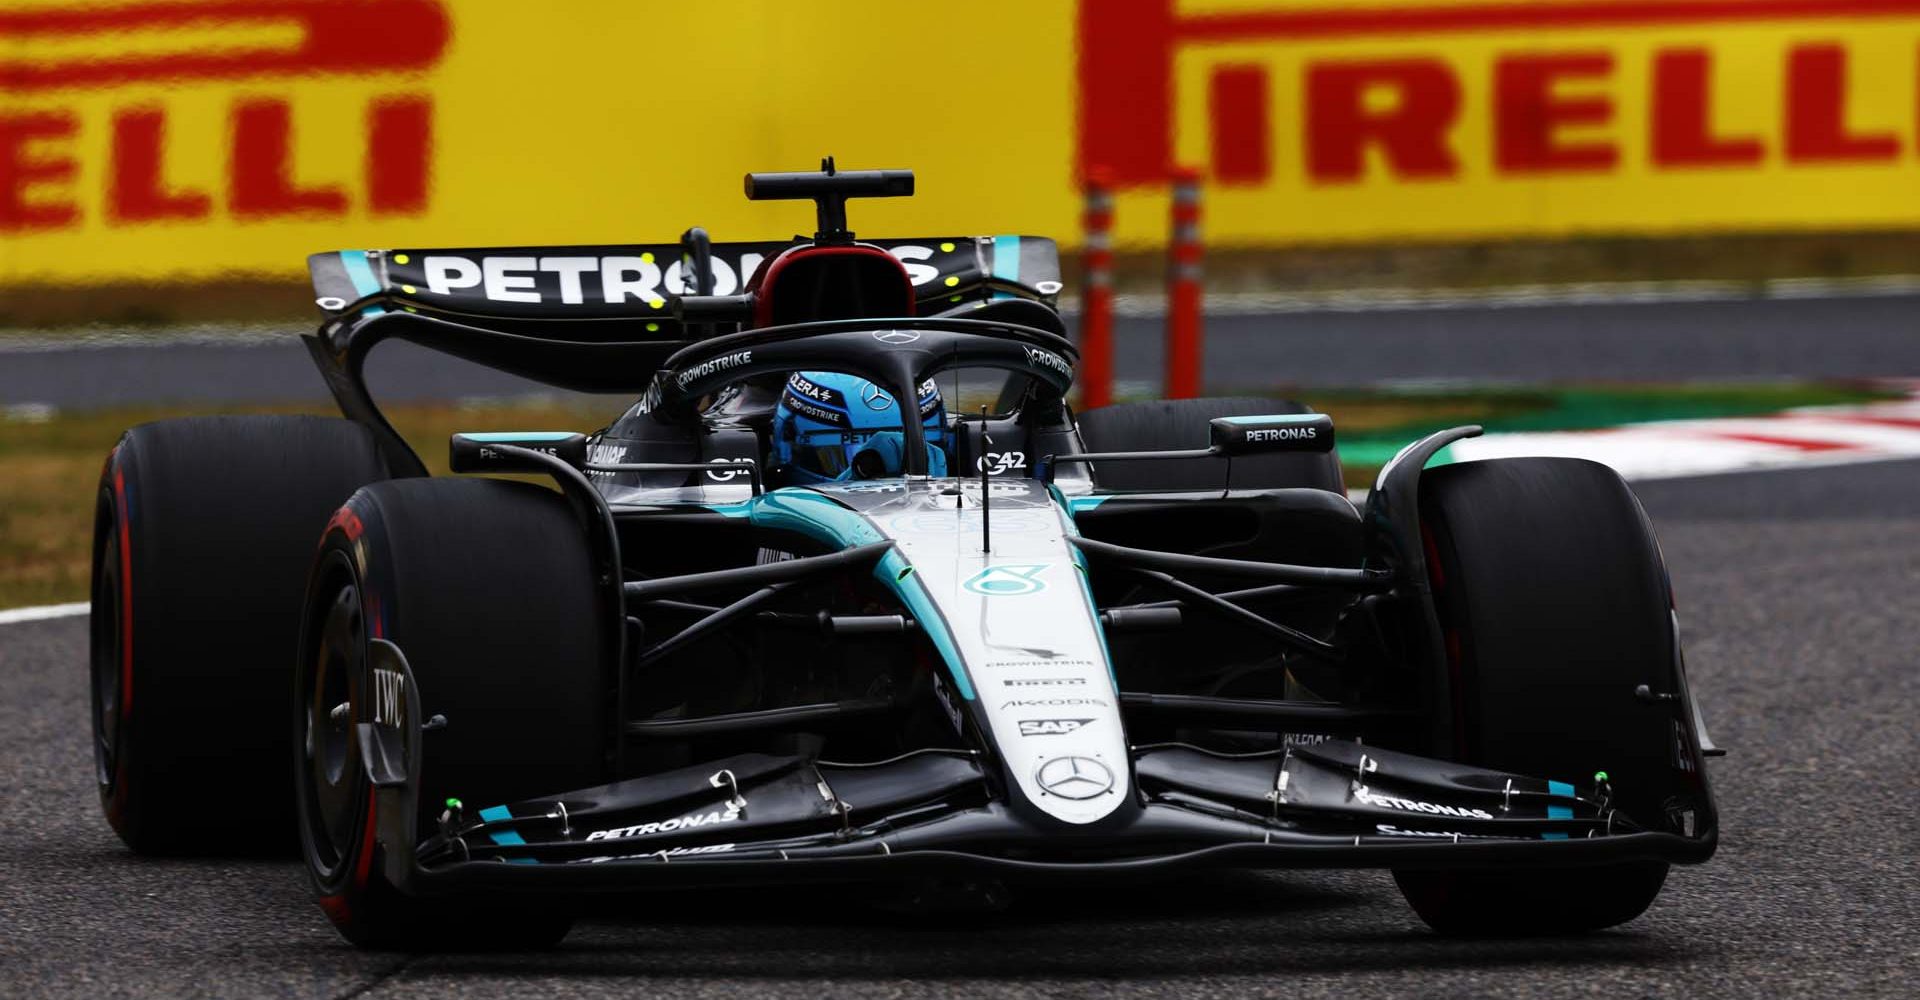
x,y
883,455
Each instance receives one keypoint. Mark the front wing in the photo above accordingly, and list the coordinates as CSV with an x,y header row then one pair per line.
x,y
764,819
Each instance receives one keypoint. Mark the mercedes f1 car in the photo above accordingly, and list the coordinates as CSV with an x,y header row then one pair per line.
x,y
851,593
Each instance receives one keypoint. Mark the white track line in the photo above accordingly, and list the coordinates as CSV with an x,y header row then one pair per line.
x,y
42,613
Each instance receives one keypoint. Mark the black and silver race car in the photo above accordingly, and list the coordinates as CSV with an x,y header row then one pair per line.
x,y
995,641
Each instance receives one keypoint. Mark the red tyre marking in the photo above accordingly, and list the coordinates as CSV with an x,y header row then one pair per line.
x,y
336,908
126,595
363,865
348,522
1433,560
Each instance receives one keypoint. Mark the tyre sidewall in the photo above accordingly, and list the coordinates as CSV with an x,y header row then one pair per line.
x,y
1554,604
1523,701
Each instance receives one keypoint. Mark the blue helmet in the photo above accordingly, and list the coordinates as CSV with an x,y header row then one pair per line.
x,y
829,426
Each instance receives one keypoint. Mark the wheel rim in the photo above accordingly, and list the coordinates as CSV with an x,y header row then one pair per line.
x,y
105,652
332,665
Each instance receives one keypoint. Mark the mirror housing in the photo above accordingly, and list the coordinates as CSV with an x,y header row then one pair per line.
x,y
474,452
1280,432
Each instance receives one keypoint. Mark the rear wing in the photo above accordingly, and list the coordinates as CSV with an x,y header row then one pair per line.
x,y
636,281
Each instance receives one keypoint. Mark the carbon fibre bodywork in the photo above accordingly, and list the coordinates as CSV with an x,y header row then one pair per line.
x,y
1011,672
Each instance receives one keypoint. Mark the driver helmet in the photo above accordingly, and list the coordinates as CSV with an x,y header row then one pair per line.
x,y
830,427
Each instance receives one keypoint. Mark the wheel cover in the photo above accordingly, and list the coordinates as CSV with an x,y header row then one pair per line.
x,y
332,664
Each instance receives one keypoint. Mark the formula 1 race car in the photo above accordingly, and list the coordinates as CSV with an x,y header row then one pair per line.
x,y
852,594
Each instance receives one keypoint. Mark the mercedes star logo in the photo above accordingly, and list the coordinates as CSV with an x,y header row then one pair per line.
x,y
896,337
875,397
1075,777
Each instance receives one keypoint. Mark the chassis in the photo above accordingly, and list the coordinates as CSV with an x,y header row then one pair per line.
x,y
1020,672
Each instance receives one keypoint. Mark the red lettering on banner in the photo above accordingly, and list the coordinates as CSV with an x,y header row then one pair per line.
x,y
1683,115
1242,145
399,154
1412,134
262,172
26,163
364,36
1528,114
1127,50
137,190
1817,111
1126,89
328,38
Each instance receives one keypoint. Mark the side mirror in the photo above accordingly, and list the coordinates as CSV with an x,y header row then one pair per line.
x,y
475,452
1276,432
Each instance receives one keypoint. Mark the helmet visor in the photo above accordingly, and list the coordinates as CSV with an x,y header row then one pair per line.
x,y
824,453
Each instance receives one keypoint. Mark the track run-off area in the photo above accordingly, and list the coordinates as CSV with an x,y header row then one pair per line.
x,y
1796,599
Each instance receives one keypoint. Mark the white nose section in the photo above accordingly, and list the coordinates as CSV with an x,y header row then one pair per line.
x,y
1023,624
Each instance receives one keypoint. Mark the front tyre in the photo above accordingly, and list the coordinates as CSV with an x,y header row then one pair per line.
x,y
488,589
1555,606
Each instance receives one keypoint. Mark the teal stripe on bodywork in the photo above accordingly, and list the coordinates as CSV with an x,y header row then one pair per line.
x,y
1086,577
825,520
511,436
1075,505
360,272
1564,790
814,516
1283,417
500,814
892,572
1006,261
1006,258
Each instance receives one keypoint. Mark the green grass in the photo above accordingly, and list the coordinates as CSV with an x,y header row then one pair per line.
x,y
49,469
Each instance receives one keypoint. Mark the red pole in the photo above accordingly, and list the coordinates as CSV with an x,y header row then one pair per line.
x,y
1183,289
1096,294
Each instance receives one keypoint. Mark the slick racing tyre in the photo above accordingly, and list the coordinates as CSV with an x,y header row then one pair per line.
x,y
203,531
488,590
1178,424
1555,605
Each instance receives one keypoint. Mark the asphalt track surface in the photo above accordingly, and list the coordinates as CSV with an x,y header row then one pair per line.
x,y
1797,596
1862,335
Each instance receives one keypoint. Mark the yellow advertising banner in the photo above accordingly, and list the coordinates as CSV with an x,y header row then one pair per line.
x,y
194,139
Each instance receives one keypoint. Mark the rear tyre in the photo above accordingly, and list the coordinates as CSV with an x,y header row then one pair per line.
x,y
1177,424
203,532
1555,604
487,587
